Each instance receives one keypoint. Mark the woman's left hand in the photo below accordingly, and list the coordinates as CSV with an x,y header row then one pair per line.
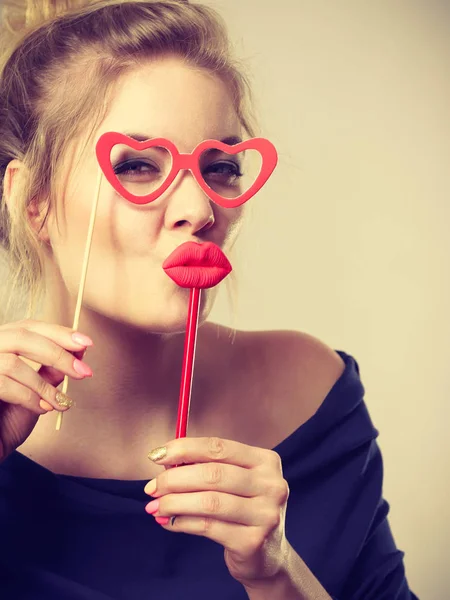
x,y
230,492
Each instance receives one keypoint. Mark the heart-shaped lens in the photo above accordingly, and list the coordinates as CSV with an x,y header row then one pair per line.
x,y
229,175
140,172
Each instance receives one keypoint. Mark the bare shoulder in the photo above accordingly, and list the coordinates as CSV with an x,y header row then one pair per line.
x,y
298,362
300,371
284,377
301,353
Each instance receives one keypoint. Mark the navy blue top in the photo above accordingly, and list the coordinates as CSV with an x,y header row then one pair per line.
x,y
76,538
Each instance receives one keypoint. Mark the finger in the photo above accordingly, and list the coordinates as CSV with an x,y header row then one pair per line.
x,y
233,537
212,476
214,505
20,384
215,449
12,392
52,375
40,349
59,334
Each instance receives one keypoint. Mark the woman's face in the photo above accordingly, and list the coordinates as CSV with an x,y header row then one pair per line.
x,y
125,280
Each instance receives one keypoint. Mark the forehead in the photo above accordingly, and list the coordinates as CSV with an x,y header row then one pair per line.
x,y
168,98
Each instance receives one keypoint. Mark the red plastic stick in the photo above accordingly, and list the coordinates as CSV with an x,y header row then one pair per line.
x,y
188,362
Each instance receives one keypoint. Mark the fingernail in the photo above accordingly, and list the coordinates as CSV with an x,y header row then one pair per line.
x,y
157,453
45,405
82,368
152,507
150,488
162,520
63,400
84,340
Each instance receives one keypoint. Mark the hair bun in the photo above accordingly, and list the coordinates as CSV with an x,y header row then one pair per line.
x,y
20,16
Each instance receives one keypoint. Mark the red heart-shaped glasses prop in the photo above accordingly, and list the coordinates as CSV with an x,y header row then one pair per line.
x,y
190,162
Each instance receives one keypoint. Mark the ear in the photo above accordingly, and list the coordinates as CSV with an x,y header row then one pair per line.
x,y
11,170
36,217
14,171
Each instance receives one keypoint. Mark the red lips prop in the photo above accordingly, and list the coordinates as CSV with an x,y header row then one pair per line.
x,y
194,265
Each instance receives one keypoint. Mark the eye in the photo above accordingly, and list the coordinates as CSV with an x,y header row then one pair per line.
x,y
133,167
227,172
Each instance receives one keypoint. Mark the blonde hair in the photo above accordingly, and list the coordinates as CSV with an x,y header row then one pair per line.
x,y
52,47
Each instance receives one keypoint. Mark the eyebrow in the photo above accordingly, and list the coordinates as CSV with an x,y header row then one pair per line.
x,y
139,137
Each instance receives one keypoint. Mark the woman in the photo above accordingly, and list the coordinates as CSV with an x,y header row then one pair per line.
x,y
279,490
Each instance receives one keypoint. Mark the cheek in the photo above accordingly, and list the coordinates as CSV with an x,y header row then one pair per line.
x,y
125,233
120,227
233,220
121,237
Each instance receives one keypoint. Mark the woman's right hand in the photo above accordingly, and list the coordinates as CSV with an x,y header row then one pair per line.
x,y
22,388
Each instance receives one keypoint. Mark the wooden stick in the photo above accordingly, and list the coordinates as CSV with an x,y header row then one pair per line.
x,y
82,282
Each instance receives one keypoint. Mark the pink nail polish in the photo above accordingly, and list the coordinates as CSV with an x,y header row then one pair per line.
x,y
162,520
81,339
82,368
152,507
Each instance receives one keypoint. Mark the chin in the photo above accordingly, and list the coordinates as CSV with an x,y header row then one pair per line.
x,y
166,317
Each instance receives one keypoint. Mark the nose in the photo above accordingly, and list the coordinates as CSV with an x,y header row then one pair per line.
x,y
188,206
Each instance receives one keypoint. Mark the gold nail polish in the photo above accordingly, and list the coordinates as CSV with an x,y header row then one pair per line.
x,y
157,453
63,400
